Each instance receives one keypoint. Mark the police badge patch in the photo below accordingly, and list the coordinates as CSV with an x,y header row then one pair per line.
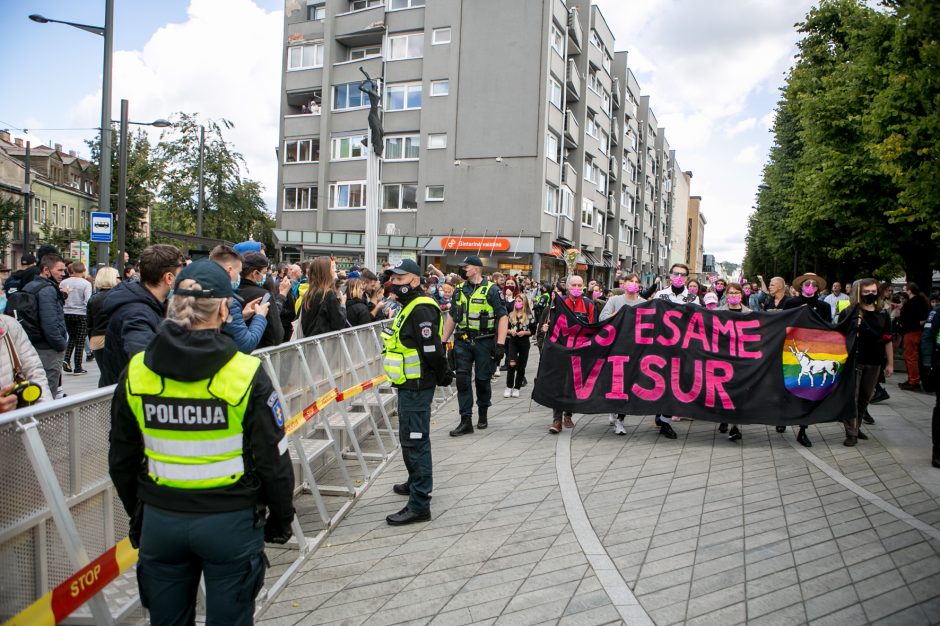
x,y
275,404
426,333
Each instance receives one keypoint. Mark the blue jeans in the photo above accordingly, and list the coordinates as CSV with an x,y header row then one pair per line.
x,y
175,548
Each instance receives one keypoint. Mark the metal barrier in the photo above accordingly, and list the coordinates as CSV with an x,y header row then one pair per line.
x,y
58,506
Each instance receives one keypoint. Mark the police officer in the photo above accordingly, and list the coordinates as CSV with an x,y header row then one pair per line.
x,y
479,322
198,453
415,362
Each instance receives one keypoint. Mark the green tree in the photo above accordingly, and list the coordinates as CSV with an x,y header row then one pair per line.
x,y
51,234
11,213
234,209
141,181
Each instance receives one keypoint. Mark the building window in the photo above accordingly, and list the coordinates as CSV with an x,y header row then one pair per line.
x,y
605,97
593,83
557,39
300,198
440,36
587,213
439,88
35,210
403,97
396,5
305,57
302,151
596,39
437,141
351,195
434,193
409,46
565,201
402,148
347,148
591,125
347,96
602,140
590,171
551,200
358,5
316,12
624,236
554,92
364,52
71,223
400,197
552,147
607,61
599,223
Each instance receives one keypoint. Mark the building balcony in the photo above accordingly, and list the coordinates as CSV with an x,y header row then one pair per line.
x,y
572,130
615,92
304,101
360,28
568,175
574,33
573,81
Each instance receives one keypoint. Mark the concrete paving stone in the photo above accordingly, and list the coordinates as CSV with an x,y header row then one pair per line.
x,y
541,597
416,610
357,608
759,586
793,614
913,616
849,616
931,608
650,584
284,620
821,604
719,564
875,585
671,614
709,602
661,566
595,616
581,602
727,616
767,551
523,559
912,554
888,603
861,553
773,601
480,596
460,617
662,547
916,572
297,606
625,547
721,536
769,566
488,610
551,579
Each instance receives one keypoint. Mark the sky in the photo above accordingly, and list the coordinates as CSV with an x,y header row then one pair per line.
x,y
712,70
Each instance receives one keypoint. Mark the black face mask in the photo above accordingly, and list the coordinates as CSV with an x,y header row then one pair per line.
x,y
462,273
869,298
402,291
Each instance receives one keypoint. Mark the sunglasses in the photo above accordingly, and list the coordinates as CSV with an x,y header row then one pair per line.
x,y
679,274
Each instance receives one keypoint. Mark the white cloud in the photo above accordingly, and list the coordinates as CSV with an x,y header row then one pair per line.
x,y
767,121
747,155
741,126
223,62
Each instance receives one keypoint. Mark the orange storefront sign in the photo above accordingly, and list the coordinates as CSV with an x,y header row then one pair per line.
x,y
493,244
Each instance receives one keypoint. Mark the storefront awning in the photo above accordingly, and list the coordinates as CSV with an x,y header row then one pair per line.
x,y
463,244
590,259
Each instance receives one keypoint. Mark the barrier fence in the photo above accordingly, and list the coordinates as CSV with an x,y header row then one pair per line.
x,y
58,507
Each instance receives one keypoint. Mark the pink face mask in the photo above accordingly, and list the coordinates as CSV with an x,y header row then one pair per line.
x,y
809,290
719,287
597,294
734,299
693,289
575,292
678,281
632,288
711,306
747,291
518,306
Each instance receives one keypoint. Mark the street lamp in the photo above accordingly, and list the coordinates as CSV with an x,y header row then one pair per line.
x,y
122,179
104,173
202,180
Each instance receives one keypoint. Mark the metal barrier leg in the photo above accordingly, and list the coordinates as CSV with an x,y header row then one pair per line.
x,y
51,490
337,450
366,475
375,393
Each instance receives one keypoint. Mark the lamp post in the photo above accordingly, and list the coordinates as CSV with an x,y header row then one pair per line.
x,y
202,181
104,173
122,179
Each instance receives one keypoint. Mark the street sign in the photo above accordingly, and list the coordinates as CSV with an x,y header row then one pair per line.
x,y
79,251
101,227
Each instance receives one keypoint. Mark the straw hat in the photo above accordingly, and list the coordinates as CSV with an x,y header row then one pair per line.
x,y
799,280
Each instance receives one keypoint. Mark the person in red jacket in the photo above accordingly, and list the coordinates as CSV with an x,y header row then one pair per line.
x,y
583,309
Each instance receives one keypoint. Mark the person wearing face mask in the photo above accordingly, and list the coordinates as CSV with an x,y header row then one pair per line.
x,y
415,362
711,301
517,345
510,291
873,349
720,286
734,301
252,287
248,320
198,456
631,297
695,289
478,321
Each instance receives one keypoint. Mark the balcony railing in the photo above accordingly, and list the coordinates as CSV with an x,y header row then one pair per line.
x,y
574,32
572,129
573,81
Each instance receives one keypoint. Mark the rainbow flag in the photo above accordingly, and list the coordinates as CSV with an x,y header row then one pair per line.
x,y
813,361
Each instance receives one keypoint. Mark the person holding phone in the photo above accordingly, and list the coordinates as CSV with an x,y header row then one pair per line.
x,y
252,289
248,320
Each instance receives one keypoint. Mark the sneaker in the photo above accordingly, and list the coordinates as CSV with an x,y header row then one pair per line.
x,y
868,419
618,428
850,441
881,394
496,374
735,434
611,418
79,372
66,367
555,428
507,393
515,393
568,422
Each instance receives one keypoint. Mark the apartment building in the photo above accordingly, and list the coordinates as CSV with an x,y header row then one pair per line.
x,y
679,252
695,248
63,191
512,130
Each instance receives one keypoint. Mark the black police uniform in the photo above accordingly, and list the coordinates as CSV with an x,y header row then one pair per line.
x,y
421,331
183,533
475,351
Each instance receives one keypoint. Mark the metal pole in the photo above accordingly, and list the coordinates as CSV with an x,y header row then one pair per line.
x,y
104,178
372,210
122,189
202,182
27,192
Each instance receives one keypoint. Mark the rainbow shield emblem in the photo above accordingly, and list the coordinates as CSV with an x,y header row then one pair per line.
x,y
813,361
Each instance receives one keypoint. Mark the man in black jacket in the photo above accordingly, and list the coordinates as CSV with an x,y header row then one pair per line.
x,y
51,322
253,285
136,309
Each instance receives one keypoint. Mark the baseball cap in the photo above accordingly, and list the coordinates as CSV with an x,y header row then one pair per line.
x,y
28,259
711,298
255,260
406,266
215,281
471,260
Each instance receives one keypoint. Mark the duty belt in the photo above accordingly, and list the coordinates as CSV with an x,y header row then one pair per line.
x,y
468,337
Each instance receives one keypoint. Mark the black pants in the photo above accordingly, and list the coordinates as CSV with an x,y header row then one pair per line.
x,y
176,548
414,433
866,377
517,356
475,367
77,329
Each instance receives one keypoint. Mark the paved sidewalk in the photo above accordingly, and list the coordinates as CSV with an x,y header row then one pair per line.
x,y
591,528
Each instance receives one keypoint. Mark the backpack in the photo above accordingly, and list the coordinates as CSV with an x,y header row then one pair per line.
x,y
23,306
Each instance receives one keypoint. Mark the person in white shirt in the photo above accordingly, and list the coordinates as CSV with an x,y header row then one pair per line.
x,y
834,298
78,293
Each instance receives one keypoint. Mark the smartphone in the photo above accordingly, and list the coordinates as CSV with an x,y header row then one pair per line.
x,y
265,299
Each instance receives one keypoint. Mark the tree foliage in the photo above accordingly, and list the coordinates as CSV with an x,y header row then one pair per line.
x,y
234,209
11,213
849,188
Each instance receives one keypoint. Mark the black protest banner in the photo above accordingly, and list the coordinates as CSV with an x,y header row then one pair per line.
x,y
780,368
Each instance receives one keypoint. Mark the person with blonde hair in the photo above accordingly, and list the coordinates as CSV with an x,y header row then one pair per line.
x,y
518,343
322,310
95,319
198,456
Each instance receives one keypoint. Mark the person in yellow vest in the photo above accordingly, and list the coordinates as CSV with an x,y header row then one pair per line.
x,y
415,362
479,321
198,456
